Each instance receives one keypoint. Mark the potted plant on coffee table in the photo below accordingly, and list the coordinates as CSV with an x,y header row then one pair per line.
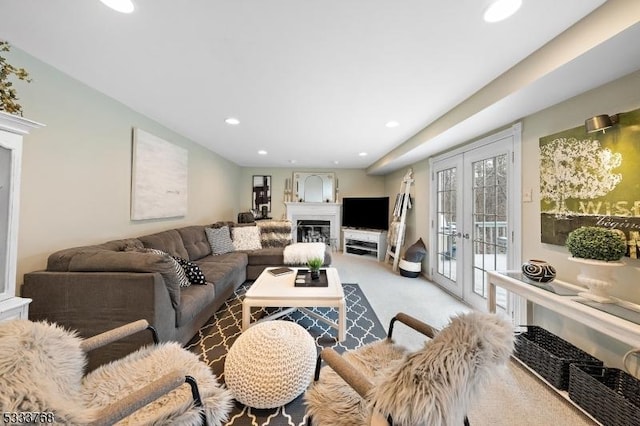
x,y
314,265
597,250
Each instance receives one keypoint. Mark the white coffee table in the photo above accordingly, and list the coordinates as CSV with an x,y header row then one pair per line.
x,y
279,292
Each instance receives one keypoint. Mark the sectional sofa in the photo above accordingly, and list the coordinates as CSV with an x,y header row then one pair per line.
x,y
96,288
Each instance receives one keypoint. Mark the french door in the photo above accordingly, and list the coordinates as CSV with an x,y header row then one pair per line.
x,y
475,216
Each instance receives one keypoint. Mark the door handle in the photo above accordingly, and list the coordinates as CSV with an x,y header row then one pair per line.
x,y
465,236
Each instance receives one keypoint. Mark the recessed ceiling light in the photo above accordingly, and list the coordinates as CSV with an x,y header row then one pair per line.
x,y
262,152
232,121
501,9
363,154
124,6
391,124
336,162
293,161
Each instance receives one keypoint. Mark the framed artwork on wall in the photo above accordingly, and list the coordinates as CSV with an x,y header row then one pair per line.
x,y
591,179
159,178
261,195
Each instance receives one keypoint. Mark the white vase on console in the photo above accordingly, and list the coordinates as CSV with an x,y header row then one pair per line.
x,y
597,275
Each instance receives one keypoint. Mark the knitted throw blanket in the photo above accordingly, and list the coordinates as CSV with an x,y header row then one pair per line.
x,y
300,253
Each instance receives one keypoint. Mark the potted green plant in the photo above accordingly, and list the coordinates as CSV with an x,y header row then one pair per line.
x,y
314,265
597,250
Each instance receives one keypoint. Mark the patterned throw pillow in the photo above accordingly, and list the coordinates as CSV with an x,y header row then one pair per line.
x,y
183,280
219,240
193,271
246,238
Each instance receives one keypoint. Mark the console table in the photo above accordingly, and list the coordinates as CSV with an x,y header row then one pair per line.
x,y
564,299
567,305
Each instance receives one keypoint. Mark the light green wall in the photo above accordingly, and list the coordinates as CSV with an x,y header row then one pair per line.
x,y
351,182
76,171
618,96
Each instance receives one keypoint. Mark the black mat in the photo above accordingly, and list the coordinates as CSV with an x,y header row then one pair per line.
x,y
214,340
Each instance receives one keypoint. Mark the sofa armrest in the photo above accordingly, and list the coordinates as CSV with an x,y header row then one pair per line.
x,y
95,302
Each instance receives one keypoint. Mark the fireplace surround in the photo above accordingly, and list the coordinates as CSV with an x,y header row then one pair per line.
x,y
314,213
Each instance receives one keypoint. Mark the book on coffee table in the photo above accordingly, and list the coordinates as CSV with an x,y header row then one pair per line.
x,y
280,271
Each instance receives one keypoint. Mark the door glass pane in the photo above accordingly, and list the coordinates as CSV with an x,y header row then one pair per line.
x,y
446,226
489,233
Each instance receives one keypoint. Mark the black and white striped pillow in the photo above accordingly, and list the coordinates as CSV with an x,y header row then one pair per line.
x,y
183,280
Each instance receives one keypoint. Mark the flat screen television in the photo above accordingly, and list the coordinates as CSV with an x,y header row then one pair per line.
x,y
366,212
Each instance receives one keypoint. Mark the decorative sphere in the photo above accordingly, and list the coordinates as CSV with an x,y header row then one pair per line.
x,y
538,270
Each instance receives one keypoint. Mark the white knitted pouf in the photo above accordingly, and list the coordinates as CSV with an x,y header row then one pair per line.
x,y
270,364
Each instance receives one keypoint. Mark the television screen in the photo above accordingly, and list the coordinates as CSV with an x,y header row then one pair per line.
x,y
366,212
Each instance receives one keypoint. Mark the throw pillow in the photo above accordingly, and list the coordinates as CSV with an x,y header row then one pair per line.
x,y
416,252
183,280
246,238
192,271
219,240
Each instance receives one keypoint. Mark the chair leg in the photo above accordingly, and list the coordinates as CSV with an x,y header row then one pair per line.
x,y
154,333
466,421
316,377
197,400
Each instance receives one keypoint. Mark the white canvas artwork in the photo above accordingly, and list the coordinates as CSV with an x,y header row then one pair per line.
x,y
159,178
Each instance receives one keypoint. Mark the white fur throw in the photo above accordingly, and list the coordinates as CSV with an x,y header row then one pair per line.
x,y
433,386
42,367
300,253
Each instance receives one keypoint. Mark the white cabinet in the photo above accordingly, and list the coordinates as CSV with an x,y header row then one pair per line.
x,y
12,129
367,243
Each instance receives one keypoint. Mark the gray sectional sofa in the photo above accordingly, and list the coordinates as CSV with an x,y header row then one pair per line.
x,y
96,288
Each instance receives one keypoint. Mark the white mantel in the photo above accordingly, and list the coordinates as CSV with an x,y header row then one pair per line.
x,y
316,211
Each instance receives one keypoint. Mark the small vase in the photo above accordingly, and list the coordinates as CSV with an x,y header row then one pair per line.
x,y
538,270
315,275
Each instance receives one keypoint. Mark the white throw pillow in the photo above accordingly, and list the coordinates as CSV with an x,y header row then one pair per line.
x,y
246,238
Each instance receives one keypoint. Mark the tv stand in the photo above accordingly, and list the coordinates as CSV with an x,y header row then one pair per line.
x,y
370,243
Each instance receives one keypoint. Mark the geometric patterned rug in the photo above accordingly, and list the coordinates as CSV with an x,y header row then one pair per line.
x,y
216,337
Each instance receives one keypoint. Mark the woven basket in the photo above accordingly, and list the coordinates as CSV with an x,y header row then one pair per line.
x,y
549,355
610,395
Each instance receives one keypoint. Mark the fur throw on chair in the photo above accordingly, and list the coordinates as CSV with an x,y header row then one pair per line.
x,y
42,368
433,386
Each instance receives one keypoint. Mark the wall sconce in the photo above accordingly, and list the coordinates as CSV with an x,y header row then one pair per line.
x,y
600,122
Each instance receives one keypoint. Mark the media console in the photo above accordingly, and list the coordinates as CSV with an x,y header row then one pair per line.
x,y
366,242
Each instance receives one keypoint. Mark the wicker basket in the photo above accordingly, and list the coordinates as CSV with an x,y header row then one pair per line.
x,y
610,395
549,355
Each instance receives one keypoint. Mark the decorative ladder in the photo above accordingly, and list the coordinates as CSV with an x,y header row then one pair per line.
x,y
397,227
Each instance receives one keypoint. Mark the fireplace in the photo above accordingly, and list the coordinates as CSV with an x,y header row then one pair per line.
x,y
315,222
314,231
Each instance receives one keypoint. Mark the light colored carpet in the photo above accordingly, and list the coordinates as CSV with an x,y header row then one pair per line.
x,y
514,398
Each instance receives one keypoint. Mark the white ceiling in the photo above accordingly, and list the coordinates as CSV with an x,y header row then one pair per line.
x,y
313,82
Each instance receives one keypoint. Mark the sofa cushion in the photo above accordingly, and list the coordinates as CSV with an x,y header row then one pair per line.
x,y
223,275
246,238
274,233
193,299
267,256
129,261
59,261
220,240
195,242
192,271
168,241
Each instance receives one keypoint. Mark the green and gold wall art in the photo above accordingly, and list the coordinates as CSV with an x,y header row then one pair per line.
x,y
592,179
